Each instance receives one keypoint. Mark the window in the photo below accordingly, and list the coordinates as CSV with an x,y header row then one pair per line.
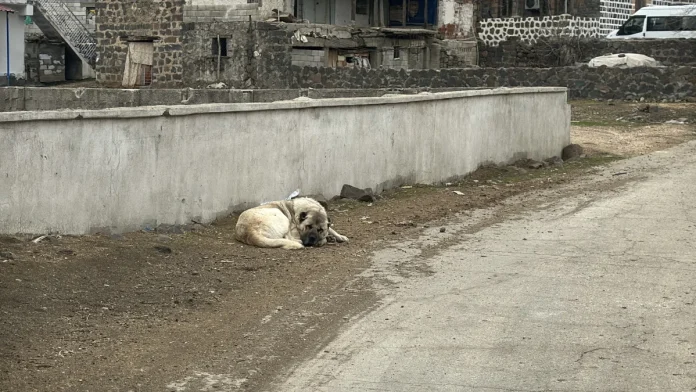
x,y
145,75
633,25
222,48
397,53
689,23
664,23
672,23
361,7
90,13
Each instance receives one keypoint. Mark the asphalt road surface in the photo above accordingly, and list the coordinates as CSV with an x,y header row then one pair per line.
x,y
587,288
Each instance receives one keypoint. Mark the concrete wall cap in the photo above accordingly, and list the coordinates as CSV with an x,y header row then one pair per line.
x,y
186,110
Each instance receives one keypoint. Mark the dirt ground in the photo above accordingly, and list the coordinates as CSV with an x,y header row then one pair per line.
x,y
142,311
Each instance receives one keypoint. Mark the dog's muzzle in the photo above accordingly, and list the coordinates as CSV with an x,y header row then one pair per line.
x,y
311,240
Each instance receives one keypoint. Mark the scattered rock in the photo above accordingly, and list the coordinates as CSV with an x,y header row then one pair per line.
x,y
406,223
351,192
10,240
163,249
649,109
572,151
442,230
554,161
197,227
170,229
535,164
7,255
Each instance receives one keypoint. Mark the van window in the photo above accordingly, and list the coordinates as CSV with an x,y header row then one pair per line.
x,y
664,23
689,23
633,25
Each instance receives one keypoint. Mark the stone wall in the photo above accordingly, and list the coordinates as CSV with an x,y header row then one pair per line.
x,y
494,31
582,82
458,54
308,57
45,61
119,21
557,52
14,99
258,54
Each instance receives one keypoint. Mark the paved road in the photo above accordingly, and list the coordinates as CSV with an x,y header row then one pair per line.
x,y
592,289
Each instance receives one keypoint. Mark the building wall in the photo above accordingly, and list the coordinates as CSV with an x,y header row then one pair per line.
x,y
458,54
517,9
76,172
16,28
494,31
45,61
308,57
121,20
456,19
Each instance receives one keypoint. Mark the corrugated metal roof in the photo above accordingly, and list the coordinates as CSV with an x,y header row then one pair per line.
x,y
5,9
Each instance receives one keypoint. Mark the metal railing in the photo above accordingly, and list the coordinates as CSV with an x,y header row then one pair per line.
x,y
70,28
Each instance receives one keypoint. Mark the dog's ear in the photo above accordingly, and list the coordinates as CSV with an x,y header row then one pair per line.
x,y
303,216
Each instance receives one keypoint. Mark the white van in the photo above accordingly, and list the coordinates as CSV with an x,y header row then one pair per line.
x,y
670,21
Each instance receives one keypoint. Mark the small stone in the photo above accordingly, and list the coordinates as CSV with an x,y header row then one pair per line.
x,y
554,161
163,249
7,255
442,230
535,165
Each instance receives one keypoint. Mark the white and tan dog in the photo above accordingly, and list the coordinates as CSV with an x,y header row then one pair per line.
x,y
287,224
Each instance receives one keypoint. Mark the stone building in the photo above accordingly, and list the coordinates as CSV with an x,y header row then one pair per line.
x,y
254,43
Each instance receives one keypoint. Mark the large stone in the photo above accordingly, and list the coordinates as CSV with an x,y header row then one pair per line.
x,y
572,151
351,192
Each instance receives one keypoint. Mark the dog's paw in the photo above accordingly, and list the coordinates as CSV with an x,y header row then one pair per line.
x,y
293,245
341,238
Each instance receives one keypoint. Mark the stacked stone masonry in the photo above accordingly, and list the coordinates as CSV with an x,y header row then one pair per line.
x,y
232,13
494,31
44,61
140,20
565,52
308,57
582,82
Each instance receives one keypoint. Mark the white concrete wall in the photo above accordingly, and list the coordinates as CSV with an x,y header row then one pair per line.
x,y
124,168
16,44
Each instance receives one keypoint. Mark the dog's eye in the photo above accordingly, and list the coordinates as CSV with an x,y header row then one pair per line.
x,y
309,227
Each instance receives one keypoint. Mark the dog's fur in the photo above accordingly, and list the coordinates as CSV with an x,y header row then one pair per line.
x,y
287,224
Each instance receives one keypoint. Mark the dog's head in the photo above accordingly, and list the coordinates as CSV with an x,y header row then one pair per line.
x,y
312,221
